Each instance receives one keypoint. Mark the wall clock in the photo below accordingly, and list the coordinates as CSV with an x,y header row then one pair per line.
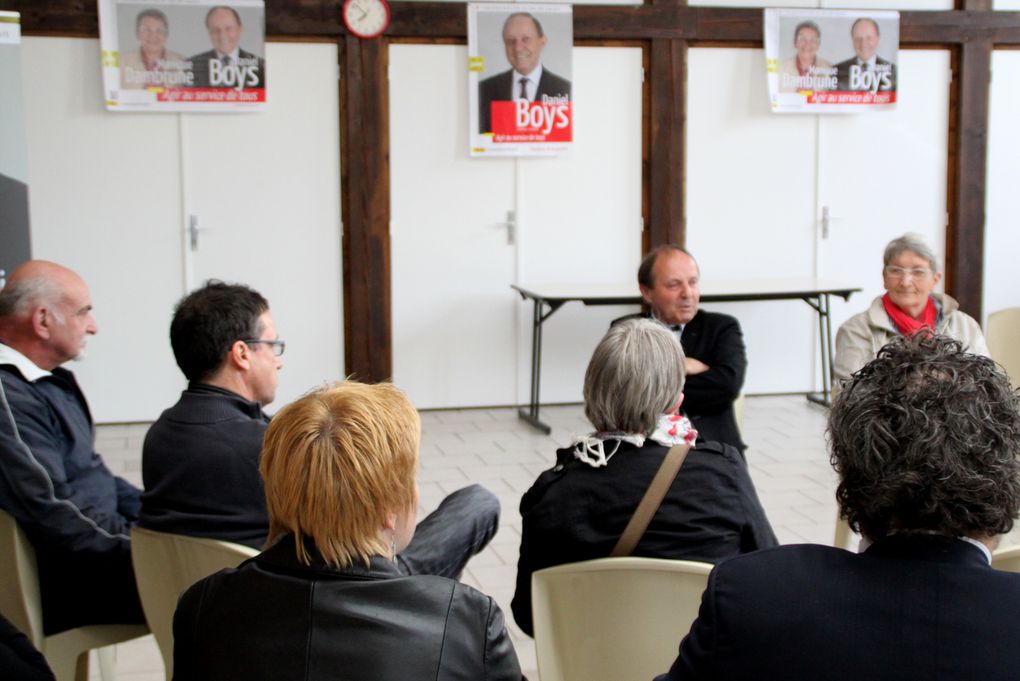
x,y
366,18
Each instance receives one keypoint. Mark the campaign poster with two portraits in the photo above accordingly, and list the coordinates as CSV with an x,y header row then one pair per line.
x,y
520,68
831,60
183,55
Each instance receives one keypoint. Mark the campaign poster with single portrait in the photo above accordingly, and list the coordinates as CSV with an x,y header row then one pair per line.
x,y
820,61
520,67
183,55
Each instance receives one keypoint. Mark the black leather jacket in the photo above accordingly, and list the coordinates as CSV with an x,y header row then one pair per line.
x,y
273,618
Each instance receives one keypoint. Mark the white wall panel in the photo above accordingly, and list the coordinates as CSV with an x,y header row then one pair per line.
x,y
750,207
107,200
581,216
1002,231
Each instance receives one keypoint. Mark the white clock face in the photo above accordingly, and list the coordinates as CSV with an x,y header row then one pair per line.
x,y
366,18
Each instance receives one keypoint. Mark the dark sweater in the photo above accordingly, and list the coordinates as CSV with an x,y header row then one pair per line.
x,y
575,512
200,468
76,513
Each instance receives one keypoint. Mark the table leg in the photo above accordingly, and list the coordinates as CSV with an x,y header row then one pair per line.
x,y
821,307
531,415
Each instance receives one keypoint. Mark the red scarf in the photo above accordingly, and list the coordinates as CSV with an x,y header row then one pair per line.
x,y
906,324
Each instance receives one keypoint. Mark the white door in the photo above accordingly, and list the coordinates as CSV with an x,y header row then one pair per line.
x,y
265,190
884,174
451,256
757,183
461,336
581,217
105,201
750,196
1002,238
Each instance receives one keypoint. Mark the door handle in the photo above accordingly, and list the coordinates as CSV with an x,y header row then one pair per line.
x,y
827,220
193,231
511,227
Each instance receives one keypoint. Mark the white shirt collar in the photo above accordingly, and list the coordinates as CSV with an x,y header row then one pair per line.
x,y
234,56
27,367
534,76
980,545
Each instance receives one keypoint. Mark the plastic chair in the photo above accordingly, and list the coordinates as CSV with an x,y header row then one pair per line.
x,y
1007,559
613,619
841,540
20,601
738,412
1003,336
165,566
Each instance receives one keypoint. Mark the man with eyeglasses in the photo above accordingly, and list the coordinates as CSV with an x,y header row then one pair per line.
x,y
200,458
908,306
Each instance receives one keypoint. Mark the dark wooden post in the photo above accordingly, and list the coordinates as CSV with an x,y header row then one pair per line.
x,y
365,207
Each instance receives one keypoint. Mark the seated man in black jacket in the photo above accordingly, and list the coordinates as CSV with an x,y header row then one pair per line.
x,y
200,459
76,513
713,344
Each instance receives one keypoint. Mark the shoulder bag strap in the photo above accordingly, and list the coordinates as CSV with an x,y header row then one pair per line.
x,y
651,501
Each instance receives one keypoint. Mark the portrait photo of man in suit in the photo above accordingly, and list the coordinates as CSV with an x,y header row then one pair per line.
x,y
866,70
227,65
523,40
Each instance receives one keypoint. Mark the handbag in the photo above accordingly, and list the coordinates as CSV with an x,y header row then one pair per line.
x,y
651,501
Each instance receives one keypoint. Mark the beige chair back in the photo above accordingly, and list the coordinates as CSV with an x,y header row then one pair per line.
x,y
738,412
1007,559
165,566
1003,337
21,603
613,619
843,535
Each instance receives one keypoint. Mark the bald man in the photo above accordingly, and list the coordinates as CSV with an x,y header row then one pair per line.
x,y
77,514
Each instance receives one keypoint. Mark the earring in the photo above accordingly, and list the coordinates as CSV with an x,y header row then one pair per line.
x,y
393,546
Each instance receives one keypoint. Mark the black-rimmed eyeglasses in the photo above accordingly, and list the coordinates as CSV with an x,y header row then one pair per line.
x,y
278,345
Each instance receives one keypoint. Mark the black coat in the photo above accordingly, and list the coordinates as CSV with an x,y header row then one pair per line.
x,y
252,76
575,512
716,340
903,610
273,618
200,468
497,89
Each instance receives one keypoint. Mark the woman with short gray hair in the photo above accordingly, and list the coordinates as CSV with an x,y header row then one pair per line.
x,y
910,273
578,509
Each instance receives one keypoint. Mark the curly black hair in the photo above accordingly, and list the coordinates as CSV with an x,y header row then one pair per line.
x,y
925,439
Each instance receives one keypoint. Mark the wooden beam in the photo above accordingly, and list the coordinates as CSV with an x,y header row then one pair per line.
x,y
365,208
968,181
318,19
668,127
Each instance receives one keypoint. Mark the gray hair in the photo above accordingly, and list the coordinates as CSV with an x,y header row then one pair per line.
x,y
635,374
910,242
18,297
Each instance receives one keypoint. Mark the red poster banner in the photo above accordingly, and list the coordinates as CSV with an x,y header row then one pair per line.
x,y
524,121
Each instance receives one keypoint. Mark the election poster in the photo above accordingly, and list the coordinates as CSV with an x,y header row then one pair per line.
x,y
15,237
183,55
820,61
520,67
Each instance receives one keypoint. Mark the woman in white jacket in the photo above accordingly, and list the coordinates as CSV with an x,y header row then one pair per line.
x,y
910,274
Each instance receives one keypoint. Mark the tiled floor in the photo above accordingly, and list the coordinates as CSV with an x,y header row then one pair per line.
x,y
492,447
